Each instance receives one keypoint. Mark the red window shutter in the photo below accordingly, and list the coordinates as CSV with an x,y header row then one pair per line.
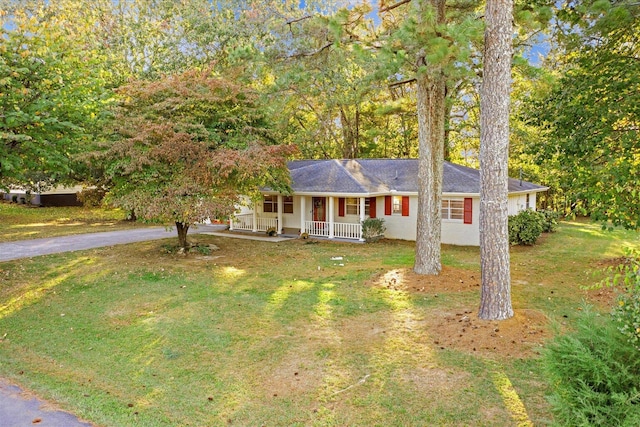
x,y
387,205
372,207
468,210
405,205
341,206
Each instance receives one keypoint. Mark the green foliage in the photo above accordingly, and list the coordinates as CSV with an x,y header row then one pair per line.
x,y
526,227
373,229
91,197
627,311
185,148
551,217
588,120
594,374
49,96
271,231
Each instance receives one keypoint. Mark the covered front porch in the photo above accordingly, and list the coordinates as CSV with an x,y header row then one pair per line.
x,y
318,216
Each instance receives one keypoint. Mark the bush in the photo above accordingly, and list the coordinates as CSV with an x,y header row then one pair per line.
x,y
627,311
91,197
373,229
525,227
551,218
594,374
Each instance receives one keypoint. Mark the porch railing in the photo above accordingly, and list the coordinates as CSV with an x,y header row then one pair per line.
x,y
317,228
347,230
266,223
340,229
245,222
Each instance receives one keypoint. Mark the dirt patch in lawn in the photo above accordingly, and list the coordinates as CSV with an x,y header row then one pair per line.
x,y
522,336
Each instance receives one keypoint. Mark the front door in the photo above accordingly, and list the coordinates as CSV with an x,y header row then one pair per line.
x,y
319,210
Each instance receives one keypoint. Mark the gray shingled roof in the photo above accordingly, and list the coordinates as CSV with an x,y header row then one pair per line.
x,y
376,176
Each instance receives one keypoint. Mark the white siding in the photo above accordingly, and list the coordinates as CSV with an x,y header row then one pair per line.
x,y
518,202
398,226
458,233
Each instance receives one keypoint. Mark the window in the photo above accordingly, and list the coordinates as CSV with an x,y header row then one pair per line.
x,y
527,202
396,205
453,209
352,206
270,204
287,204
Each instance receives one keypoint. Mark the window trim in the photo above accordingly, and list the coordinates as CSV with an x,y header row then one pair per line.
x,y
270,200
396,205
461,210
352,202
287,201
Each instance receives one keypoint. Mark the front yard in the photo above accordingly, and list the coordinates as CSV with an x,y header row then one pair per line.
x,y
292,333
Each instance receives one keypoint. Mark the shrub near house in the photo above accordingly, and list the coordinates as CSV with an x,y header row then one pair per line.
x,y
526,227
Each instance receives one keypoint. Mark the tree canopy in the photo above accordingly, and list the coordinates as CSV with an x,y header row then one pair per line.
x,y
590,115
184,148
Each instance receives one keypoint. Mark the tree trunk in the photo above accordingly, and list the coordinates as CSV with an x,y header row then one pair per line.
x,y
431,109
495,300
182,235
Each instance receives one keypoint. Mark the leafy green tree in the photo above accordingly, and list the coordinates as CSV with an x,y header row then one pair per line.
x,y
50,96
186,147
589,119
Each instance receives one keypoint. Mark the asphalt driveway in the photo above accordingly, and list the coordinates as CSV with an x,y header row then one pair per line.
x,y
36,247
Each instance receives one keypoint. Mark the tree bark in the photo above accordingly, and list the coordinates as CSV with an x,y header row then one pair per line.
x,y
495,299
182,235
431,94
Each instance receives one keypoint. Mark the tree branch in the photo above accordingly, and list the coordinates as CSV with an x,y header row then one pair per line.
x,y
401,82
393,6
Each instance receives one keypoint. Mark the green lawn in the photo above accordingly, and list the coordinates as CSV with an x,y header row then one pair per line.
x,y
21,222
277,334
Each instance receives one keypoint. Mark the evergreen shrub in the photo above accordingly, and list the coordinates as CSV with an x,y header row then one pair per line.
x,y
594,373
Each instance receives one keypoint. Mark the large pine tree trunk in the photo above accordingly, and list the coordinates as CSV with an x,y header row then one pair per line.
x,y
431,93
431,107
182,235
495,300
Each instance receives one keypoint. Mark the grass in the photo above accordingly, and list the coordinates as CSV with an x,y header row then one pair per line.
x,y
276,334
21,222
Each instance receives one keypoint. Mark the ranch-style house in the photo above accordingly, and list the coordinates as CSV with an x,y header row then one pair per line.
x,y
331,198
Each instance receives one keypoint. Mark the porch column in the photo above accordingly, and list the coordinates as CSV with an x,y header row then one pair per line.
x,y
254,226
362,206
303,212
280,207
231,223
331,225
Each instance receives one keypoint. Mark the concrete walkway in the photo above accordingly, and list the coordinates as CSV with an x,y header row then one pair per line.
x,y
51,245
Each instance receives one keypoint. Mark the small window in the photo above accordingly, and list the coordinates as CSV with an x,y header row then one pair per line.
x,y
397,205
270,204
287,204
453,209
352,206
367,206
527,202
